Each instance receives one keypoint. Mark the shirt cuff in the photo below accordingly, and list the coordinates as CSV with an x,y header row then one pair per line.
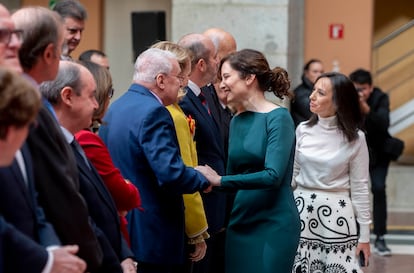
x,y
48,266
364,233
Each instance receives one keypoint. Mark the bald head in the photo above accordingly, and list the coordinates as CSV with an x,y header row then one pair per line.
x,y
223,41
200,45
204,62
3,11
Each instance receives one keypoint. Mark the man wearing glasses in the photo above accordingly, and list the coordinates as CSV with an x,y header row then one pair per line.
x,y
24,248
10,41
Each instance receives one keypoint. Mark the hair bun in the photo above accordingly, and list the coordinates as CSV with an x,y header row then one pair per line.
x,y
280,82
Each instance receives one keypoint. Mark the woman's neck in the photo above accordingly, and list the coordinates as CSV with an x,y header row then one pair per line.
x,y
257,103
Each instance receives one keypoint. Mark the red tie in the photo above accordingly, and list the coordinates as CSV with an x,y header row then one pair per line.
x,y
204,102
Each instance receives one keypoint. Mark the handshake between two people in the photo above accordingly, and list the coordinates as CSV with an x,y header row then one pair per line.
x,y
211,175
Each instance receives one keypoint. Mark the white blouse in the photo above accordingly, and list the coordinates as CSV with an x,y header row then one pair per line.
x,y
326,160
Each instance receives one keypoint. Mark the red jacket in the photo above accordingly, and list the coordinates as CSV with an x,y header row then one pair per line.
x,y
125,194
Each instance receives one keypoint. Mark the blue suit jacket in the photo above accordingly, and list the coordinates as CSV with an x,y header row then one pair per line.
x,y
210,151
140,135
18,252
104,214
18,203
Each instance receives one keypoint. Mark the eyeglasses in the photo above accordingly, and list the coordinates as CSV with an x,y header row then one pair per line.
x,y
6,35
111,93
179,77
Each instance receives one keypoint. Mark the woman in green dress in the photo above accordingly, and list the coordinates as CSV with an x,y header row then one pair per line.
x,y
263,231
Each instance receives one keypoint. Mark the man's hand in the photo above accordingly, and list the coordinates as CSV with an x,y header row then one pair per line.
x,y
210,174
65,260
129,266
365,109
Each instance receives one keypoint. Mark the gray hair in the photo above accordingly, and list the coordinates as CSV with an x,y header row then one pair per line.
x,y
71,9
41,27
152,62
69,75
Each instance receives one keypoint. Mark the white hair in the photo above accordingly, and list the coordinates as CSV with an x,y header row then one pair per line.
x,y
152,62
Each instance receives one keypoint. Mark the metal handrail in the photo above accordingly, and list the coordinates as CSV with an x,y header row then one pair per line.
x,y
394,34
396,61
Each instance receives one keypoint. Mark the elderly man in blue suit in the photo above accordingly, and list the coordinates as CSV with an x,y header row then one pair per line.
x,y
141,138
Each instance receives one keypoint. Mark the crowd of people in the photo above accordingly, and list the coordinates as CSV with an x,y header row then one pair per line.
x,y
192,169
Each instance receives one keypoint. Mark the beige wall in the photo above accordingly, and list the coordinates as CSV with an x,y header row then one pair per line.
x,y
93,33
118,36
351,52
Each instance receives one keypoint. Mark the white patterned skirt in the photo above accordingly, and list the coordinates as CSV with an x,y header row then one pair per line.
x,y
328,238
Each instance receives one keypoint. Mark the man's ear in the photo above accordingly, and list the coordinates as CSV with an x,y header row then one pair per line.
x,y
66,95
49,54
160,80
201,65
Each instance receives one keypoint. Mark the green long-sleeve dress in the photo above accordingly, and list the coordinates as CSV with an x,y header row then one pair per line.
x,y
264,229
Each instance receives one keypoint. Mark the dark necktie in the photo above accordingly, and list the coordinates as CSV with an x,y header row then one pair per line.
x,y
77,148
204,102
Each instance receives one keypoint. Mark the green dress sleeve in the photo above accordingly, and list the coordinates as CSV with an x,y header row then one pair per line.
x,y
278,137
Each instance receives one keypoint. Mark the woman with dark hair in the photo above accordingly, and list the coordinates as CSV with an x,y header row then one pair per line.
x,y
299,107
263,230
331,176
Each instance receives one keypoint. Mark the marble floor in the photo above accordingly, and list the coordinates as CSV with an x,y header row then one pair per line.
x,y
400,240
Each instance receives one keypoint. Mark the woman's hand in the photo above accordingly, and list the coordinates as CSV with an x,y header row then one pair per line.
x,y
210,174
199,251
366,249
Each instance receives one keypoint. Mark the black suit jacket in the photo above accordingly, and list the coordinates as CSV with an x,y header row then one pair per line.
x,y
222,116
56,180
19,253
209,151
104,214
19,206
376,124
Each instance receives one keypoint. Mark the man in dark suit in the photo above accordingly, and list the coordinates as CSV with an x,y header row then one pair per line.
x,y
141,138
20,103
18,202
54,166
209,144
216,97
72,96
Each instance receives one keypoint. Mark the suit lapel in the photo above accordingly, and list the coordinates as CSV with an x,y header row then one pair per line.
x,y
212,100
199,106
197,103
21,184
95,179
29,171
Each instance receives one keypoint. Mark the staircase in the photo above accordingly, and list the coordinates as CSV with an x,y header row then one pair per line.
x,y
393,72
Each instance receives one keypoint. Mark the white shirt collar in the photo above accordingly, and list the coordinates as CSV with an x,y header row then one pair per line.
x,y
194,87
68,135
